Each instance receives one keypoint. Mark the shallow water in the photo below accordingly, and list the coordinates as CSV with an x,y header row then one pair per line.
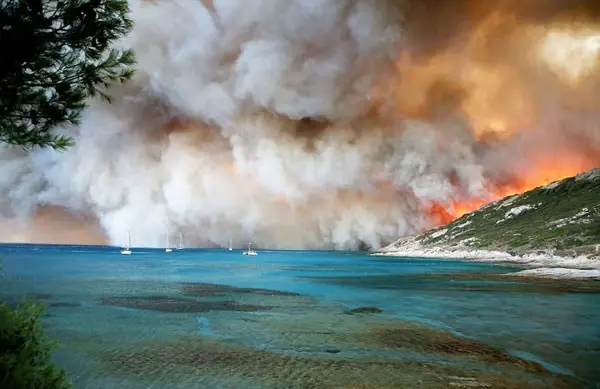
x,y
217,319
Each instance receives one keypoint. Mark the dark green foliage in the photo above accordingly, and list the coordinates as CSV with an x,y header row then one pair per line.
x,y
54,55
479,244
25,352
518,241
552,224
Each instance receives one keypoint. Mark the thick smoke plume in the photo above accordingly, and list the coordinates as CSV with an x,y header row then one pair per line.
x,y
323,123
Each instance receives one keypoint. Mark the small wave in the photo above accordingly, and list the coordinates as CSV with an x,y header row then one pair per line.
x,y
205,329
534,358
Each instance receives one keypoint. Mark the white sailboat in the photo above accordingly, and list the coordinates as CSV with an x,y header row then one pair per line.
x,y
127,249
180,241
249,251
168,248
230,247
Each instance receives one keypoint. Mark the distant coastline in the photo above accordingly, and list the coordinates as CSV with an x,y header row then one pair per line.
x,y
545,264
552,231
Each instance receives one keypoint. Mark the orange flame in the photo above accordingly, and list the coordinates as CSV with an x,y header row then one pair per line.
x,y
540,175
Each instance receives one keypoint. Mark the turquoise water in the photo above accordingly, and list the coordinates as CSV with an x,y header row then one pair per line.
x,y
150,320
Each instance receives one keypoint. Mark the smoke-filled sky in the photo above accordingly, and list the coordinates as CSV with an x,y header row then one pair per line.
x,y
317,123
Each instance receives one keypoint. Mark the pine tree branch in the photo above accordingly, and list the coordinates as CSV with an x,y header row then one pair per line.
x,y
63,57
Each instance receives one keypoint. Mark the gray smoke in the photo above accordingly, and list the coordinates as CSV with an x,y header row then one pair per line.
x,y
287,120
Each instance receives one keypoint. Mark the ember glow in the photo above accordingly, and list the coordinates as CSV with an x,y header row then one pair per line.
x,y
323,124
537,177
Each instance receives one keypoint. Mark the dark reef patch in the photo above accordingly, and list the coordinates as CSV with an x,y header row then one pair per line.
x,y
38,296
174,304
64,305
364,310
476,282
428,340
513,283
202,289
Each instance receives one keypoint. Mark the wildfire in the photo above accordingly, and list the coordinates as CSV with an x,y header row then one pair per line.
x,y
499,79
541,175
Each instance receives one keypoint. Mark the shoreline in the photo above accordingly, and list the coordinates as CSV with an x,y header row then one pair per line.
x,y
545,265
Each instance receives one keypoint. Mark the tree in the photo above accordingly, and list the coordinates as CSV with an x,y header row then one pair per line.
x,y
25,353
55,54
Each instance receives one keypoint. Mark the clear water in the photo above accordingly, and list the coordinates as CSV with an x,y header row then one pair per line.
x,y
142,321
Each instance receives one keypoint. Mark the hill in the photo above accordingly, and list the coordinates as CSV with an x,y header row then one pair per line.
x,y
561,219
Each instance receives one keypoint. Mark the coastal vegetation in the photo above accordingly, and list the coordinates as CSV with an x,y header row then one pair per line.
x,y
25,352
55,55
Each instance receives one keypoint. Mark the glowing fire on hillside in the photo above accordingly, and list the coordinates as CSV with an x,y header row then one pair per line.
x,y
491,79
534,178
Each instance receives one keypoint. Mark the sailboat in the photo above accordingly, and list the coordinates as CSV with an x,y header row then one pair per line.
x,y
127,249
180,241
230,248
168,248
249,251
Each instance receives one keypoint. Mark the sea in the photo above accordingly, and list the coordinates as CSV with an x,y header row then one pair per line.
x,y
213,318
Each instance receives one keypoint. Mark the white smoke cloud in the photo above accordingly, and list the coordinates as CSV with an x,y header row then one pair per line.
x,y
211,137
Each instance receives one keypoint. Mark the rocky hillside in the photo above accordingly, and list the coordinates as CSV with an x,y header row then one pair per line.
x,y
562,217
